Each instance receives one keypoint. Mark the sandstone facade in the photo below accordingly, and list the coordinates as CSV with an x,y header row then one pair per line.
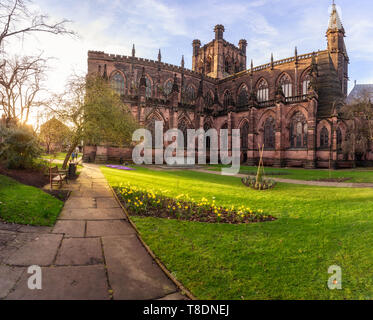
x,y
291,105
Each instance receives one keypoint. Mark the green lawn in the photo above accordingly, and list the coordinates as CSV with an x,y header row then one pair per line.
x,y
27,205
285,259
57,156
362,175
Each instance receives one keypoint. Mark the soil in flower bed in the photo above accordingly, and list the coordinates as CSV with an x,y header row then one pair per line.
x,y
148,204
26,176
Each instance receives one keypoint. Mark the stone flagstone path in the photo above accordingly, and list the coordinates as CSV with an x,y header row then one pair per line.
x,y
91,253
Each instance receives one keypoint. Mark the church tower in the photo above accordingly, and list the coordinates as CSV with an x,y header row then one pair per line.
x,y
337,48
219,58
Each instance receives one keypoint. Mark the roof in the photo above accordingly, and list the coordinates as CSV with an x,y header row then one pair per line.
x,y
360,90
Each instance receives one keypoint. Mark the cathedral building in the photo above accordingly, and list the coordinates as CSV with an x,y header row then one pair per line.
x,y
291,106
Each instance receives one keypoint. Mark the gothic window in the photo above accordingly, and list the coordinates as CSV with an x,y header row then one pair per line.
x,y
298,131
339,139
269,133
237,67
148,90
244,136
183,127
168,87
117,83
305,84
190,94
262,91
207,127
208,66
209,100
324,138
228,101
286,85
150,125
243,97
227,66
223,142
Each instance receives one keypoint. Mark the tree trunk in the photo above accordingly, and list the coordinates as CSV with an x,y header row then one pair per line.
x,y
68,155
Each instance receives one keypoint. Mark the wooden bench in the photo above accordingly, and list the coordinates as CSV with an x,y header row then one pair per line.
x,y
57,176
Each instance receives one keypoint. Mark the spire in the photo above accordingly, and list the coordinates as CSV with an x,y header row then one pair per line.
x,y
133,50
159,55
252,67
335,21
182,61
272,60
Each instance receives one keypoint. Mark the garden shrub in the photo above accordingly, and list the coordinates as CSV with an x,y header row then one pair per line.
x,y
262,184
19,148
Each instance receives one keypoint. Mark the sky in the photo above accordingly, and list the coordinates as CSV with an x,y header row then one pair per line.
x,y
171,25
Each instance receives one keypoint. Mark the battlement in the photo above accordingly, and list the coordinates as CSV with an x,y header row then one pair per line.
x,y
275,63
100,55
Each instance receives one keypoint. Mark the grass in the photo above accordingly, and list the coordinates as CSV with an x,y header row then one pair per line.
x,y
285,259
57,156
360,175
27,205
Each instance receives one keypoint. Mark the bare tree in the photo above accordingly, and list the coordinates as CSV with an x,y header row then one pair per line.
x,y
94,113
20,83
17,19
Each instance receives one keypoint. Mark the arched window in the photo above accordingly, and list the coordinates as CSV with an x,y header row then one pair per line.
x,y
305,84
298,131
223,144
237,67
209,100
207,127
339,139
227,66
228,100
324,138
168,87
269,133
150,125
183,127
244,136
262,91
148,90
208,66
243,97
117,83
190,94
286,85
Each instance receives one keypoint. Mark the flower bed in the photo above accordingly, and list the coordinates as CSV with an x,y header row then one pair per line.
x,y
147,203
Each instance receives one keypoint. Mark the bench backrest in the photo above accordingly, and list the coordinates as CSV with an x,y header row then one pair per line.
x,y
54,170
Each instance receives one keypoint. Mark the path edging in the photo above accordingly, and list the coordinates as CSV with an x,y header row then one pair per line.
x,y
177,283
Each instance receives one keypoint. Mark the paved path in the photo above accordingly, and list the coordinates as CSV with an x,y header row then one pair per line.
x,y
304,182
91,253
